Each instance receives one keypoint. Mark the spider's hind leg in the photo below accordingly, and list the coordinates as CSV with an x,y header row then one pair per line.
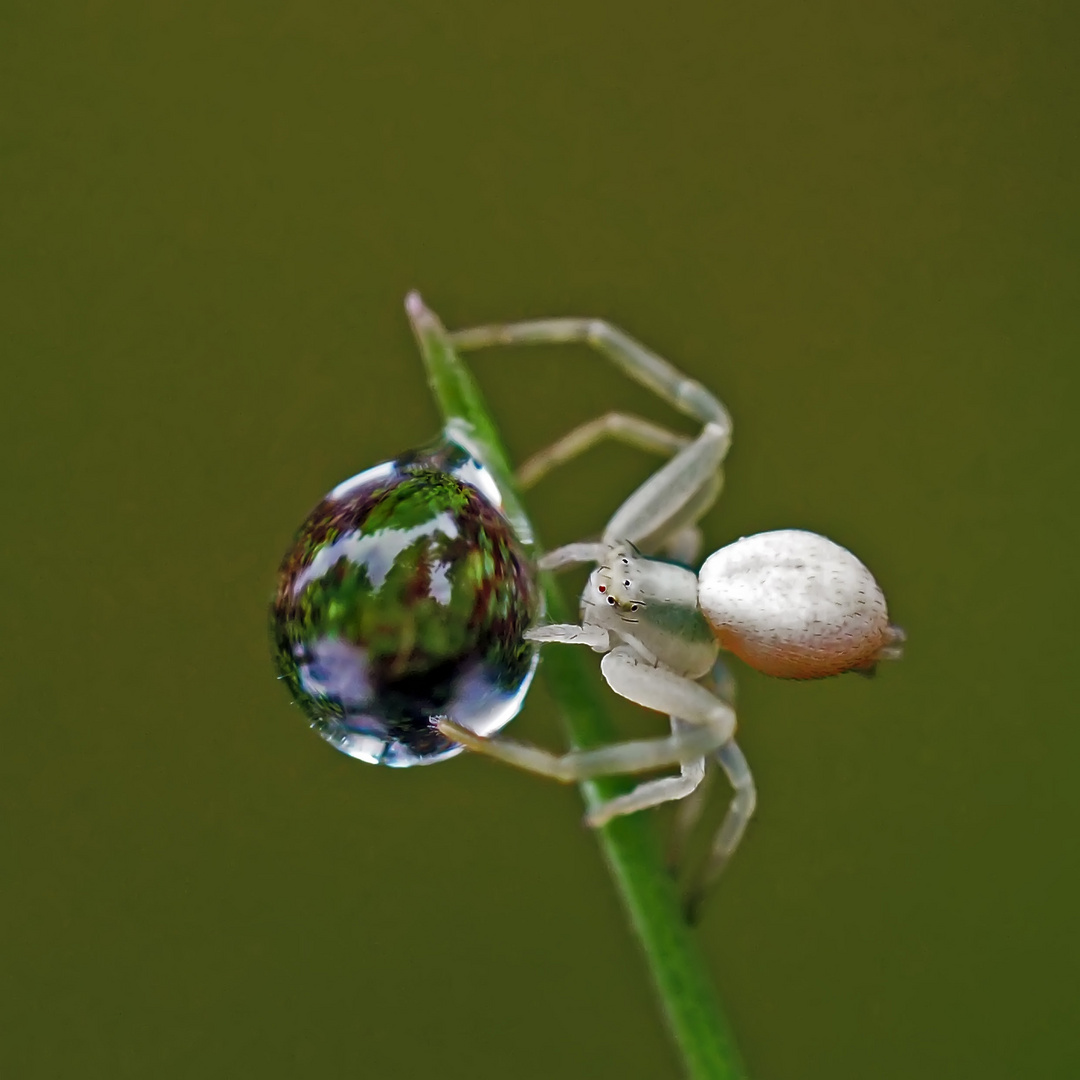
x,y
690,810
731,831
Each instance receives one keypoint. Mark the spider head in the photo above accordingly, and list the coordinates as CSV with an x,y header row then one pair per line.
x,y
613,594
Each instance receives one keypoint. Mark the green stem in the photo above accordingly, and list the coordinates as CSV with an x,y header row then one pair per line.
x,y
629,844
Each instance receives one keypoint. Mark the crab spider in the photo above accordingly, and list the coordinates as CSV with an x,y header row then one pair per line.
x,y
789,603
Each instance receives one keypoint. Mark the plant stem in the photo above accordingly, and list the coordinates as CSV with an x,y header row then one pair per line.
x,y
629,845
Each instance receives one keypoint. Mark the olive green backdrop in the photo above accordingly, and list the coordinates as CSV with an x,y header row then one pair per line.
x,y
858,223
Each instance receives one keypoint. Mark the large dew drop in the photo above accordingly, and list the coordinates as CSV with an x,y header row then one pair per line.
x,y
405,598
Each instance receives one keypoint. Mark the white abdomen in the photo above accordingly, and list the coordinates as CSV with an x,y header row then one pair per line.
x,y
794,604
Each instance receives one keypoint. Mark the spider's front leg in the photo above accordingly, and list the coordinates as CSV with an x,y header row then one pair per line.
x,y
596,637
704,725
626,353
676,496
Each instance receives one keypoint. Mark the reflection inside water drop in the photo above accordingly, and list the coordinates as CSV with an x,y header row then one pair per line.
x,y
405,597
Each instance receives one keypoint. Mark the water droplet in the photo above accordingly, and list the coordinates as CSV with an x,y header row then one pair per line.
x,y
404,598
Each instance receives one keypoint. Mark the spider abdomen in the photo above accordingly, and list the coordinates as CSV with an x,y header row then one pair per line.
x,y
795,605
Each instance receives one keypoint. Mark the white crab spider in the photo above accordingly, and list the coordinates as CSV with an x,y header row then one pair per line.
x,y
789,603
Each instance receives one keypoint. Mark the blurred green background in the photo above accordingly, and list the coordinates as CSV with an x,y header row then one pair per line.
x,y
857,222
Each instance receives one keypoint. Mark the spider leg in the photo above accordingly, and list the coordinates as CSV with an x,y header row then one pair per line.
x,y
630,356
684,546
675,497
733,826
596,637
689,813
568,555
706,724
623,427
632,756
681,492
663,512
654,792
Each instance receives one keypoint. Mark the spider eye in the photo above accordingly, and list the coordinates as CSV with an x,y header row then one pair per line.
x,y
602,588
633,607
611,600
627,584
